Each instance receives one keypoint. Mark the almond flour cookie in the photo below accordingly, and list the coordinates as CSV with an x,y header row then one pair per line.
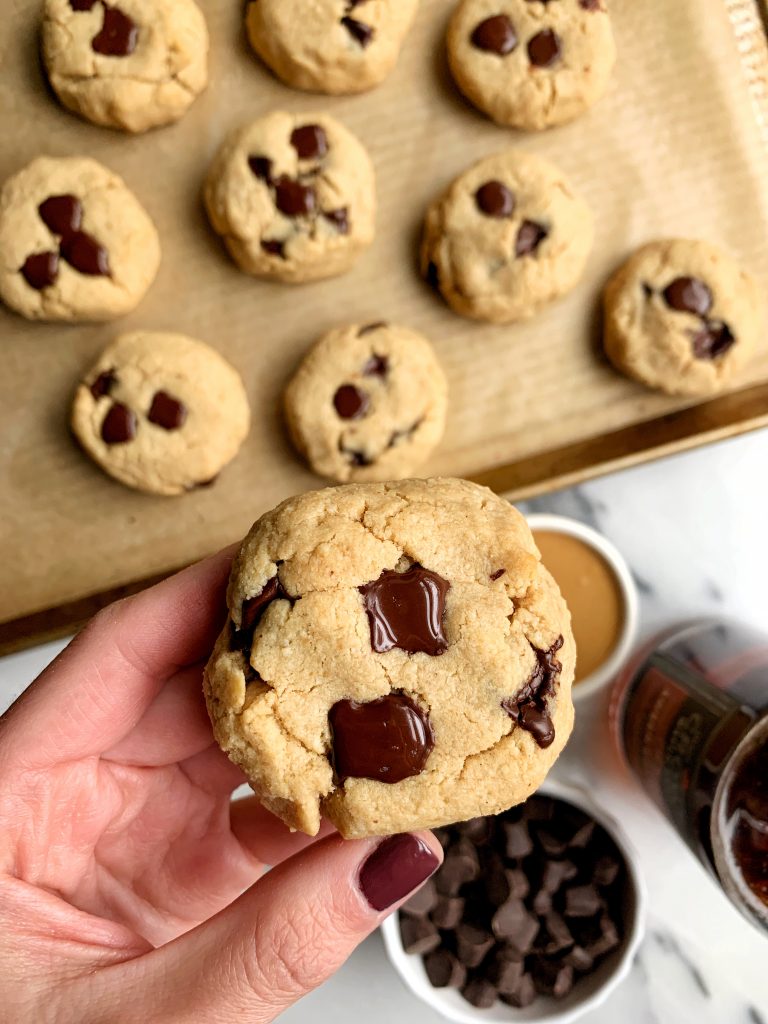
x,y
396,658
506,238
531,64
681,316
293,196
331,46
129,64
75,243
367,403
161,412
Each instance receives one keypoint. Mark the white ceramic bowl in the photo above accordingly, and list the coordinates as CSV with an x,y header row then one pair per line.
x,y
587,994
608,671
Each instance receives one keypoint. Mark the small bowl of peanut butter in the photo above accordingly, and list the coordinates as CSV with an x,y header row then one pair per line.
x,y
600,592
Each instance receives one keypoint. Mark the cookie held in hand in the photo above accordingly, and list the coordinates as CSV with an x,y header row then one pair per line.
x,y
396,657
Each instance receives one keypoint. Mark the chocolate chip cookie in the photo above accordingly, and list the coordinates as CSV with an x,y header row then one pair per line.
x,y
161,412
396,657
507,237
129,64
531,64
293,197
682,316
367,403
75,243
331,46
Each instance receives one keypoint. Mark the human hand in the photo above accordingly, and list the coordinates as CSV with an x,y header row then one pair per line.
x,y
131,888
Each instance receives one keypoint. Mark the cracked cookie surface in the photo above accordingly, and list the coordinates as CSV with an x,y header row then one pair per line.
x,y
330,46
75,243
396,657
293,197
531,64
507,237
161,412
682,316
368,402
127,64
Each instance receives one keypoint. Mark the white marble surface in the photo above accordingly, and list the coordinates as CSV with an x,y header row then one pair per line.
x,y
693,529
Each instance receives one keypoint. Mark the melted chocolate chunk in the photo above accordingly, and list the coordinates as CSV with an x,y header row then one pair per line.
x,y
119,425
495,200
350,402
83,5
261,166
357,458
41,270
166,411
544,48
368,328
359,31
377,366
406,610
62,215
339,219
403,435
274,247
309,141
103,384
252,611
85,254
294,199
713,340
529,237
432,275
529,707
647,290
688,295
495,35
118,36
498,574
387,740
590,5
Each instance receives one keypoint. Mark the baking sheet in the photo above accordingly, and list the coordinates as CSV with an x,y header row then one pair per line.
x,y
678,147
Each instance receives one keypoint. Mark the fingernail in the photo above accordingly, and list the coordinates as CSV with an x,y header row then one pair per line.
x,y
395,868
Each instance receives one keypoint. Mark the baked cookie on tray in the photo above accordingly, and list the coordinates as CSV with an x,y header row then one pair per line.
x,y
128,64
293,196
330,46
396,657
161,412
506,238
682,316
531,64
75,243
367,403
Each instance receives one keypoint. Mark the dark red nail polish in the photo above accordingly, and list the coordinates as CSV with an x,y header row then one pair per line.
x,y
395,868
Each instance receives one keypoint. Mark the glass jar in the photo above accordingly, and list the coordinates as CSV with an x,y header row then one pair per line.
x,y
690,717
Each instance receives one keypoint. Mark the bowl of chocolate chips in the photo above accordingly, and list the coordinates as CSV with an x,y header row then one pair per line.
x,y
535,914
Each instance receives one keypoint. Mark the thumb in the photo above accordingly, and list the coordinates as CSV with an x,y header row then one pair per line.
x,y
283,937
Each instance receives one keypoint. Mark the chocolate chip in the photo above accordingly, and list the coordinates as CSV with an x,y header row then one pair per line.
x,y
387,740
309,141
529,237
480,993
118,36
523,994
544,48
84,254
103,384
406,610
688,295
495,35
119,425
41,270
555,873
61,214
518,840
443,836
529,708
556,935
461,865
713,340
495,881
583,835
444,970
261,167
515,926
273,247
607,940
579,959
368,328
362,33
423,901
542,902
582,901
294,199
494,199
505,971
552,845
339,219
477,830
166,411
606,871
253,609
551,978
377,366
419,935
498,574
472,943
350,402
448,912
